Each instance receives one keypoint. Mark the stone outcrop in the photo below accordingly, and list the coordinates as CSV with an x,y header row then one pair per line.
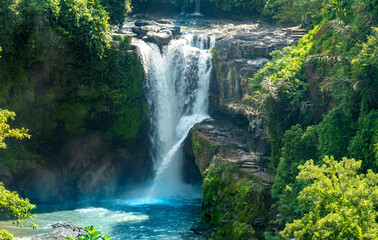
x,y
236,179
222,140
240,51
60,231
161,31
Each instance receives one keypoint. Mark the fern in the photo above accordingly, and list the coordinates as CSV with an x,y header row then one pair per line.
x,y
321,58
332,82
340,28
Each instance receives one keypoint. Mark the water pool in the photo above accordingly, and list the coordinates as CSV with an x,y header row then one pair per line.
x,y
125,219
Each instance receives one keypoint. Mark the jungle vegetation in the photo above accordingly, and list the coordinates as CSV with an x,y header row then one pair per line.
x,y
11,204
64,75
318,99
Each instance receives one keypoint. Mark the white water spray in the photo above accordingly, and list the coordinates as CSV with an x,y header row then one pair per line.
x,y
177,84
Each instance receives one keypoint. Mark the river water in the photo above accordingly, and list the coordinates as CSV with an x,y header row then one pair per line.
x,y
125,219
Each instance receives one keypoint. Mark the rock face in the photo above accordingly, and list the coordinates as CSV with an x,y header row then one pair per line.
x,y
222,140
239,52
236,180
6,176
161,31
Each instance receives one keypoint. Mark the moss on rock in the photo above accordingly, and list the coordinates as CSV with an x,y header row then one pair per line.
x,y
232,201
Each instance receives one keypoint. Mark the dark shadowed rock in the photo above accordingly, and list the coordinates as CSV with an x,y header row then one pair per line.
x,y
141,22
6,176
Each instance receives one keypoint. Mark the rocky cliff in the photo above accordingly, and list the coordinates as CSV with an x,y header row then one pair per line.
x,y
232,150
239,52
236,181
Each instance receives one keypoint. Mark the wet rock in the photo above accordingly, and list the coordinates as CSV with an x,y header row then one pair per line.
x,y
142,31
60,231
165,21
175,30
203,230
160,38
141,22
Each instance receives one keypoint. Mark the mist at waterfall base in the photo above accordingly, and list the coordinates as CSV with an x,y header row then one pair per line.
x,y
177,83
163,219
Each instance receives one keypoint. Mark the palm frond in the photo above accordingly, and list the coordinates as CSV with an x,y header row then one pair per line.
x,y
269,86
330,83
340,28
327,59
363,15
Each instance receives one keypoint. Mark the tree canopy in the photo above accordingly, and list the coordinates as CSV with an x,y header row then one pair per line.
x,y
344,203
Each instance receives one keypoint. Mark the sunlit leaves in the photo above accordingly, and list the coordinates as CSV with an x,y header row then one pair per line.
x,y
4,235
14,206
6,131
91,234
345,202
11,204
84,23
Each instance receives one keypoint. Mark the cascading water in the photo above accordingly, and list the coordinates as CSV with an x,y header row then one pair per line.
x,y
177,83
197,8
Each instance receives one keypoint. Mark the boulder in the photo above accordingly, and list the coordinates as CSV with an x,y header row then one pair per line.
x,y
160,38
141,23
142,31
222,140
60,231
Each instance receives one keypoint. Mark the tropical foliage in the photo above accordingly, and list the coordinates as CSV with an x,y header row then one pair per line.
x,y
91,234
6,131
233,200
11,204
332,73
59,69
343,203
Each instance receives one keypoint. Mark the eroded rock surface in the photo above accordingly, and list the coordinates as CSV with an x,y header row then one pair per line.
x,y
240,51
222,140
60,231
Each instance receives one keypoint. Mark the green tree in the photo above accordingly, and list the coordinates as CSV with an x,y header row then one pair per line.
x,y
365,72
344,203
11,204
84,23
299,146
6,131
335,132
117,10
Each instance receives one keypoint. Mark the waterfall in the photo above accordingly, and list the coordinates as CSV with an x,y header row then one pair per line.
x,y
177,84
197,8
